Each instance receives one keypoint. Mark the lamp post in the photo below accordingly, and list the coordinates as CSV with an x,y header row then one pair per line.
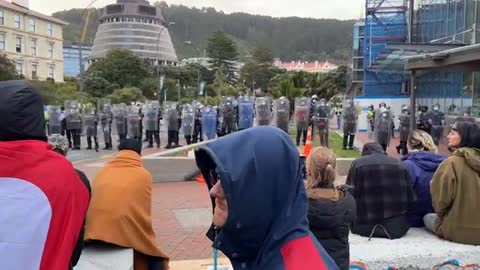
x,y
188,42
159,80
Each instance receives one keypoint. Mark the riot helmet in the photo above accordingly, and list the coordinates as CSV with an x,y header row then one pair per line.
x,y
436,107
424,109
314,99
383,105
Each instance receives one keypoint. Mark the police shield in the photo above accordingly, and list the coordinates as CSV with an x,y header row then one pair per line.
x,y
188,119
151,110
383,127
105,116
321,121
54,123
245,112
89,123
74,118
229,115
302,111
171,115
263,111
119,118
133,122
404,122
350,117
282,113
209,122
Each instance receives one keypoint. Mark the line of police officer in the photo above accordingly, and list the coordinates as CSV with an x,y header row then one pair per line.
x,y
128,121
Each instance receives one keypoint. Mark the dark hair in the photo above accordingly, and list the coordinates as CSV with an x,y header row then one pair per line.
x,y
470,134
131,144
372,148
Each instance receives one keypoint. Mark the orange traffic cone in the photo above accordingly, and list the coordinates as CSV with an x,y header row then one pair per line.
x,y
200,178
308,144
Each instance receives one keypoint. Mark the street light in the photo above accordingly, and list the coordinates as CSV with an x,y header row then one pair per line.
x,y
158,59
188,42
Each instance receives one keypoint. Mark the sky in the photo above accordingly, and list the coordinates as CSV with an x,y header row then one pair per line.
x,y
339,9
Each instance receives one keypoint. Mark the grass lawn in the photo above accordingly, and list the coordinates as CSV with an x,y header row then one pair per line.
x,y
336,144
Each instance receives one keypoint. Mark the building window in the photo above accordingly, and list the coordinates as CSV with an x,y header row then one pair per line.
x,y
51,72
31,25
34,72
33,46
2,41
19,68
2,20
16,20
18,44
50,50
50,29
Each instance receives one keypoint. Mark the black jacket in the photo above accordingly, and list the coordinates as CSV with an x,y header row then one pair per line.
x,y
80,243
331,212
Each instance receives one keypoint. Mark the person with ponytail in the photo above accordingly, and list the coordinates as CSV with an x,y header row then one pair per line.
x,y
421,163
331,210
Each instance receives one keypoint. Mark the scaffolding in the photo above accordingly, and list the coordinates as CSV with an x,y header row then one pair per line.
x,y
385,23
447,22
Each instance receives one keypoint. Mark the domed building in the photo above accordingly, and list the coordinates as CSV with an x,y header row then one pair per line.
x,y
134,25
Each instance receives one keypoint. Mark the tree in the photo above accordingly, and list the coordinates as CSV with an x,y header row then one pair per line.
x,y
120,67
126,95
223,53
7,69
259,72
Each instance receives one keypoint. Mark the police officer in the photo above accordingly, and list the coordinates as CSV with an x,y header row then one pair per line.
x,y
350,117
423,121
404,122
198,133
437,121
322,118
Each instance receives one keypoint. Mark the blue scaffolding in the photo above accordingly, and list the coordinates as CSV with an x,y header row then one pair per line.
x,y
386,22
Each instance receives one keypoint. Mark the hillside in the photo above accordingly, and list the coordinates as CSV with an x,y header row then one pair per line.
x,y
290,38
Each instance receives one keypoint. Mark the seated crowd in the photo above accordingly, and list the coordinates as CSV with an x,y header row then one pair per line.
x,y
266,214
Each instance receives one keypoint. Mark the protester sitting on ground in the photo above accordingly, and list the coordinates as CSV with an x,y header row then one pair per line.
x,y
455,188
382,191
421,163
43,201
59,144
259,200
120,212
331,210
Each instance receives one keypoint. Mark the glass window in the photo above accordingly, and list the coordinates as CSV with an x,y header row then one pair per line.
x,y
51,72
2,41
50,50
50,29
31,25
2,19
19,68
18,44
16,20
34,72
33,46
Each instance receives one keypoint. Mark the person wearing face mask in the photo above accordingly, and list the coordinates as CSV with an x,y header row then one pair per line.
x,y
404,122
383,126
437,121
260,211
455,187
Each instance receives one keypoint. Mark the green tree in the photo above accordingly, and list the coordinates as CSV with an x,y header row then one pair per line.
x,y
223,53
120,67
7,69
126,95
259,72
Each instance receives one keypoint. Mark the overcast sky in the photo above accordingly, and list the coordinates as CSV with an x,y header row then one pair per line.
x,y
340,9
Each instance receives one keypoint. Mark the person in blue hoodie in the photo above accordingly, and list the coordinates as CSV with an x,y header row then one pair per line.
x,y
421,163
259,201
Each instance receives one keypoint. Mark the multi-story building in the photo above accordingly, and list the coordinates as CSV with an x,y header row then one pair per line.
x,y
137,26
33,41
71,58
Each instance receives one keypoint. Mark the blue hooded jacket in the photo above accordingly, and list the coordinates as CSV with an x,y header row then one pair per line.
x,y
421,167
267,226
